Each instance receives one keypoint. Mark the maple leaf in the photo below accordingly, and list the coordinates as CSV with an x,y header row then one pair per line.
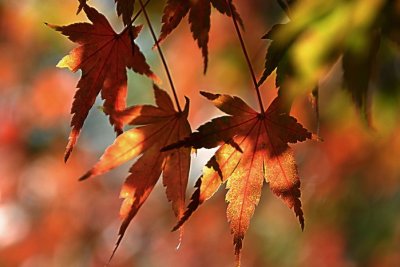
x,y
281,42
357,66
358,46
82,3
199,19
103,57
254,147
287,5
162,125
390,21
125,8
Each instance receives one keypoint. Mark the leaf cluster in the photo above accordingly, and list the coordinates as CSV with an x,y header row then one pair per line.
x,y
253,146
319,35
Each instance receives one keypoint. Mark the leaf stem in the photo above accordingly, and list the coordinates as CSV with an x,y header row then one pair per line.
x,y
253,76
161,55
315,102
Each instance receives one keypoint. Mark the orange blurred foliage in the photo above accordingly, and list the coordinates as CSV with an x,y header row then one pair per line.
x,y
350,181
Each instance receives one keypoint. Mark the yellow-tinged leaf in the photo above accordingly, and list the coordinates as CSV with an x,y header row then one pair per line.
x,y
162,126
254,148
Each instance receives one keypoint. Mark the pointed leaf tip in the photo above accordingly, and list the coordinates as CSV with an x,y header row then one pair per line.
x,y
193,205
187,106
238,252
115,248
68,151
50,25
85,176
73,136
67,154
299,213
82,4
209,96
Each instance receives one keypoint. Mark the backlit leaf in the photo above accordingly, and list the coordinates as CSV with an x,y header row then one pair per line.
x,y
199,19
254,147
357,68
125,8
82,3
162,125
103,57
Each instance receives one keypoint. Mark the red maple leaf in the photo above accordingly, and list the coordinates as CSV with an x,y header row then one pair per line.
x,y
162,125
125,8
82,3
254,147
199,19
103,57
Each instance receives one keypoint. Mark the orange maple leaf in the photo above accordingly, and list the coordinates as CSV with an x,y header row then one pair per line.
x,y
254,147
162,125
199,19
103,57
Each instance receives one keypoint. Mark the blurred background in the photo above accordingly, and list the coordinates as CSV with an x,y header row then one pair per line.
x,y
350,181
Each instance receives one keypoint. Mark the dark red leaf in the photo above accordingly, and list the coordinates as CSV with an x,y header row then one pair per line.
x,y
103,57
125,8
199,19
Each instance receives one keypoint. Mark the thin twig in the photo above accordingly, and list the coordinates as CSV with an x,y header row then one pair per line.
x,y
253,76
161,55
